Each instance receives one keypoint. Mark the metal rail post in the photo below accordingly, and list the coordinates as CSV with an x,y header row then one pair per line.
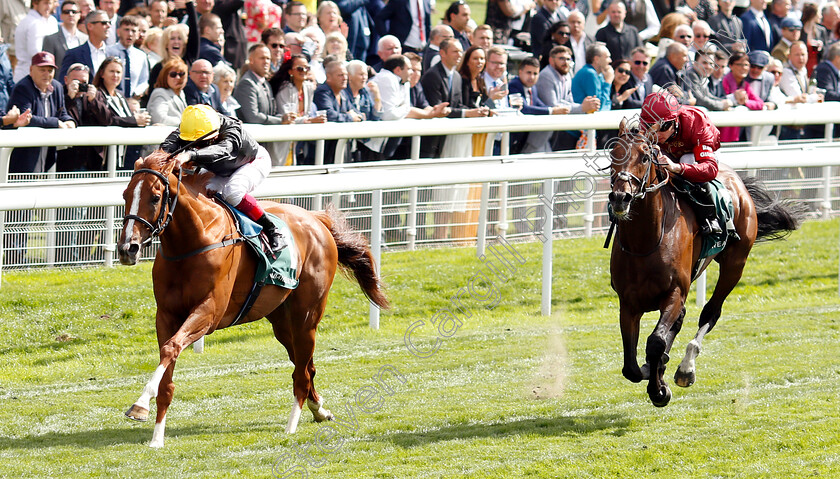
x,y
547,256
376,247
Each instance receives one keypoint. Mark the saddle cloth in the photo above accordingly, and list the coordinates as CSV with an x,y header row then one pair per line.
x,y
280,271
714,243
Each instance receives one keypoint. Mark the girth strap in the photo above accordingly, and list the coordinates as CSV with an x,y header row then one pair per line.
x,y
221,244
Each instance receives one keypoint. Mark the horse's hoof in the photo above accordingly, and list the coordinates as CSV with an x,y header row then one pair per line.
x,y
328,416
684,379
138,413
663,398
632,374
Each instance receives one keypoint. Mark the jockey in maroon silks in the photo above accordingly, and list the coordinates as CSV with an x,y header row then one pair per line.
x,y
686,135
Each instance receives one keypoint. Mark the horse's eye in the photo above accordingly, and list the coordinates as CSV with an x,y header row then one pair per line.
x,y
155,199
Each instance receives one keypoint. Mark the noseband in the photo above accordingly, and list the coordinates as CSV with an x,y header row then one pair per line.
x,y
165,215
642,190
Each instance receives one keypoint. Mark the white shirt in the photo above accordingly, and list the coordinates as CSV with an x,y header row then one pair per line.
x,y
111,39
29,40
73,40
413,38
764,24
139,75
792,81
579,51
395,95
97,56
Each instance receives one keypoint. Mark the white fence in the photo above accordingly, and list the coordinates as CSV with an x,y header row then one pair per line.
x,y
502,185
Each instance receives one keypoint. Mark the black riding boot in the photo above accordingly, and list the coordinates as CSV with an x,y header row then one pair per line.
x,y
275,239
706,212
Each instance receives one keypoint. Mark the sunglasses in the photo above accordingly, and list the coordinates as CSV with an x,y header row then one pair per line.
x,y
641,62
564,34
757,67
776,72
277,45
177,74
686,36
623,70
70,12
701,35
302,69
101,22
77,68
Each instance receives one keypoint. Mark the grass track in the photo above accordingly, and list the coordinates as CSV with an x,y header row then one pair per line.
x,y
510,394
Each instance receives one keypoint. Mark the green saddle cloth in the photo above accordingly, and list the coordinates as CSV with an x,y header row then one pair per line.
x,y
280,271
714,243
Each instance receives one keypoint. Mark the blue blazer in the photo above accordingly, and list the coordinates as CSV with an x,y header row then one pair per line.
x,y
829,78
754,34
537,107
80,54
361,31
211,52
26,96
194,97
395,19
324,99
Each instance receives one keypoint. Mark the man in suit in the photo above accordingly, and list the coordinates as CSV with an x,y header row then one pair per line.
x,y
639,79
253,92
727,28
431,54
212,34
68,35
667,70
135,62
698,80
442,84
361,35
757,30
408,20
828,78
791,29
91,53
775,13
554,88
200,89
526,85
579,40
546,16
761,81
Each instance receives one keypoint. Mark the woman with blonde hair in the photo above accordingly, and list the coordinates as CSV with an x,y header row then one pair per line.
x,y
180,41
329,17
666,31
167,101
336,45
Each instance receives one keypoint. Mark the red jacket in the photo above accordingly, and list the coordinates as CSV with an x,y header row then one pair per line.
x,y
696,134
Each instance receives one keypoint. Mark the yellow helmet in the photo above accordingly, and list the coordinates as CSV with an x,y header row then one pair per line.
x,y
197,121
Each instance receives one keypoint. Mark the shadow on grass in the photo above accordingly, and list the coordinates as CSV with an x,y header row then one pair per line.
x,y
613,424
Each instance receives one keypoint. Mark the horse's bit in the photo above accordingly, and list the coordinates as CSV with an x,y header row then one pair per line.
x,y
165,215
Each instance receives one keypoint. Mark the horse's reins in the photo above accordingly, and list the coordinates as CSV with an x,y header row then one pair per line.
x,y
165,215
640,194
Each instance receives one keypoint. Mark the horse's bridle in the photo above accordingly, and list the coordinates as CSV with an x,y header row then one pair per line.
x,y
630,177
165,215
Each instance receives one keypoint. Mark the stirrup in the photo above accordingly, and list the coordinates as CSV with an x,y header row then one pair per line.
x,y
710,227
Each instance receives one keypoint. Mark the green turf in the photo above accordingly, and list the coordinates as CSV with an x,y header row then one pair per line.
x,y
510,394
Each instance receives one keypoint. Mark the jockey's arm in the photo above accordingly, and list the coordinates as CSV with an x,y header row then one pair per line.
x,y
705,169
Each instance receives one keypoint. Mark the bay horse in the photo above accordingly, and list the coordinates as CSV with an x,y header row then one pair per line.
x,y
201,280
657,244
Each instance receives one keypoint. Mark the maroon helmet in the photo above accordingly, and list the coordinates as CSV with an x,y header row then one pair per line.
x,y
659,107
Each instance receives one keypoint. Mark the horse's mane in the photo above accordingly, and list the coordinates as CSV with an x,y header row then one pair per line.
x,y
160,160
157,160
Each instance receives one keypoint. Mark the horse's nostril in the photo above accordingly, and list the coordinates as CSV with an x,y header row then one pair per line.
x,y
133,249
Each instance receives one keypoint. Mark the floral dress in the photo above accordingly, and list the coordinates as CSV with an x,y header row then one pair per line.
x,y
260,15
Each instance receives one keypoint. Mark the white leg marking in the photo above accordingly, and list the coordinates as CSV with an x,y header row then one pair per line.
x,y
151,389
318,411
157,436
294,417
687,365
135,207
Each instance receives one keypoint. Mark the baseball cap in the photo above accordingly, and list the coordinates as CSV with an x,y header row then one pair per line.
x,y
43,59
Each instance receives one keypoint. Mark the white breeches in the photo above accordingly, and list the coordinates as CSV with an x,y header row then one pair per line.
x,y
244,180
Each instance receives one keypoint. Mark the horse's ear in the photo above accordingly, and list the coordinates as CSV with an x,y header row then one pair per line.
x,y
139,163
622,127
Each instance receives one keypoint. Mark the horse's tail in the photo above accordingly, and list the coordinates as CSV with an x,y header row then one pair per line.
x,y
776,218
354,255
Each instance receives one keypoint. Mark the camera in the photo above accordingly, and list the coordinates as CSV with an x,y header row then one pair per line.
x,y
83,87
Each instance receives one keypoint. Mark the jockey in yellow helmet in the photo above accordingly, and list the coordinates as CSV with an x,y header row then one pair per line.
x,y
238,161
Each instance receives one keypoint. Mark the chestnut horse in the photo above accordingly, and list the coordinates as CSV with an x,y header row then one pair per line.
x,y
657,245
201,280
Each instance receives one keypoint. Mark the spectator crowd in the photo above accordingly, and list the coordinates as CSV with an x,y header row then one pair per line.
x,y
136,63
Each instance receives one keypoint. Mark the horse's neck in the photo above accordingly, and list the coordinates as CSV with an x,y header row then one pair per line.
x,y
645,229
192,223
